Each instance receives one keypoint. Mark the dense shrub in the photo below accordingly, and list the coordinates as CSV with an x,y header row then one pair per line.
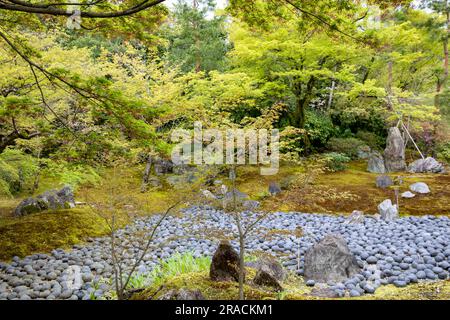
x,y
73,175
336,161
319,128
346,146
444,152
371,139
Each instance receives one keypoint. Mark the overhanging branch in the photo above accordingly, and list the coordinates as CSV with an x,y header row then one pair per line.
x,y
55,10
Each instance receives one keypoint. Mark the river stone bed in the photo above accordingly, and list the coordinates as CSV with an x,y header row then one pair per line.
x,y
402,252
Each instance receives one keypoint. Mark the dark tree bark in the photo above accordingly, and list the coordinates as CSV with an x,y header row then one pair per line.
x,y
92,10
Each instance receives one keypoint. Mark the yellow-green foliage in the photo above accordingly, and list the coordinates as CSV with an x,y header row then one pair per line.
x,y
17,171
60,173
45,231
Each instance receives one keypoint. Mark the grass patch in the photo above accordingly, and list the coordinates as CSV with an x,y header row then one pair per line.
x,y
179,264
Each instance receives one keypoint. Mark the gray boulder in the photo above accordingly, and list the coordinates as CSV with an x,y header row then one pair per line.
x,y
269,272
330,260
163,166
269,265
376,163
251,205
28,206
420,187
384,182
394,154
230,195
387,210
428,165
355,217
274,188
408,195
52,199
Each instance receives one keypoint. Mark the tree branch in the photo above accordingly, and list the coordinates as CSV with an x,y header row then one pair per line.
x,y
51,9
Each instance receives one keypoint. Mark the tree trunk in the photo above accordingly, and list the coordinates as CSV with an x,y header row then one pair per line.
x,y
146,175
241,263
389,84
446,49
198,59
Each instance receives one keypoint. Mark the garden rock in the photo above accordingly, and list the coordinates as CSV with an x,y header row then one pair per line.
x,y
408,195
163,166
384,182
235,193
225,263
387,210
251,205
355,217
264,277
428,165
182,294
363,152
274,188
271,266
52,199
376,163
420,187
330,260
394,154
324,293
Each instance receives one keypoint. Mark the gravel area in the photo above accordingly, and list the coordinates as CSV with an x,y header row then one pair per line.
x,y
402,252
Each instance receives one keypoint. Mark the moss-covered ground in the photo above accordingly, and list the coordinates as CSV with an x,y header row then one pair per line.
x,y
294,288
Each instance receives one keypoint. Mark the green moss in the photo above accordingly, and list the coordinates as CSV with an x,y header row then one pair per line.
x,y
355,189
294,289
42,232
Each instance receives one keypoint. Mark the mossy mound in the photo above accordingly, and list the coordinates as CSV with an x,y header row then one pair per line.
x,y
211,290
42,232
294,289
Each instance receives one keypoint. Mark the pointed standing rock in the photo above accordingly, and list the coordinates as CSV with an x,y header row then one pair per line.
x,y
394,154
225,263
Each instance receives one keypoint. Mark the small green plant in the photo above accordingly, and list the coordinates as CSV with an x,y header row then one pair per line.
x,y
179,263
336,161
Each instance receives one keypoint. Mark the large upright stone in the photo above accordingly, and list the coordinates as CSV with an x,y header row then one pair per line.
x,y
330,260
225,263
394,154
